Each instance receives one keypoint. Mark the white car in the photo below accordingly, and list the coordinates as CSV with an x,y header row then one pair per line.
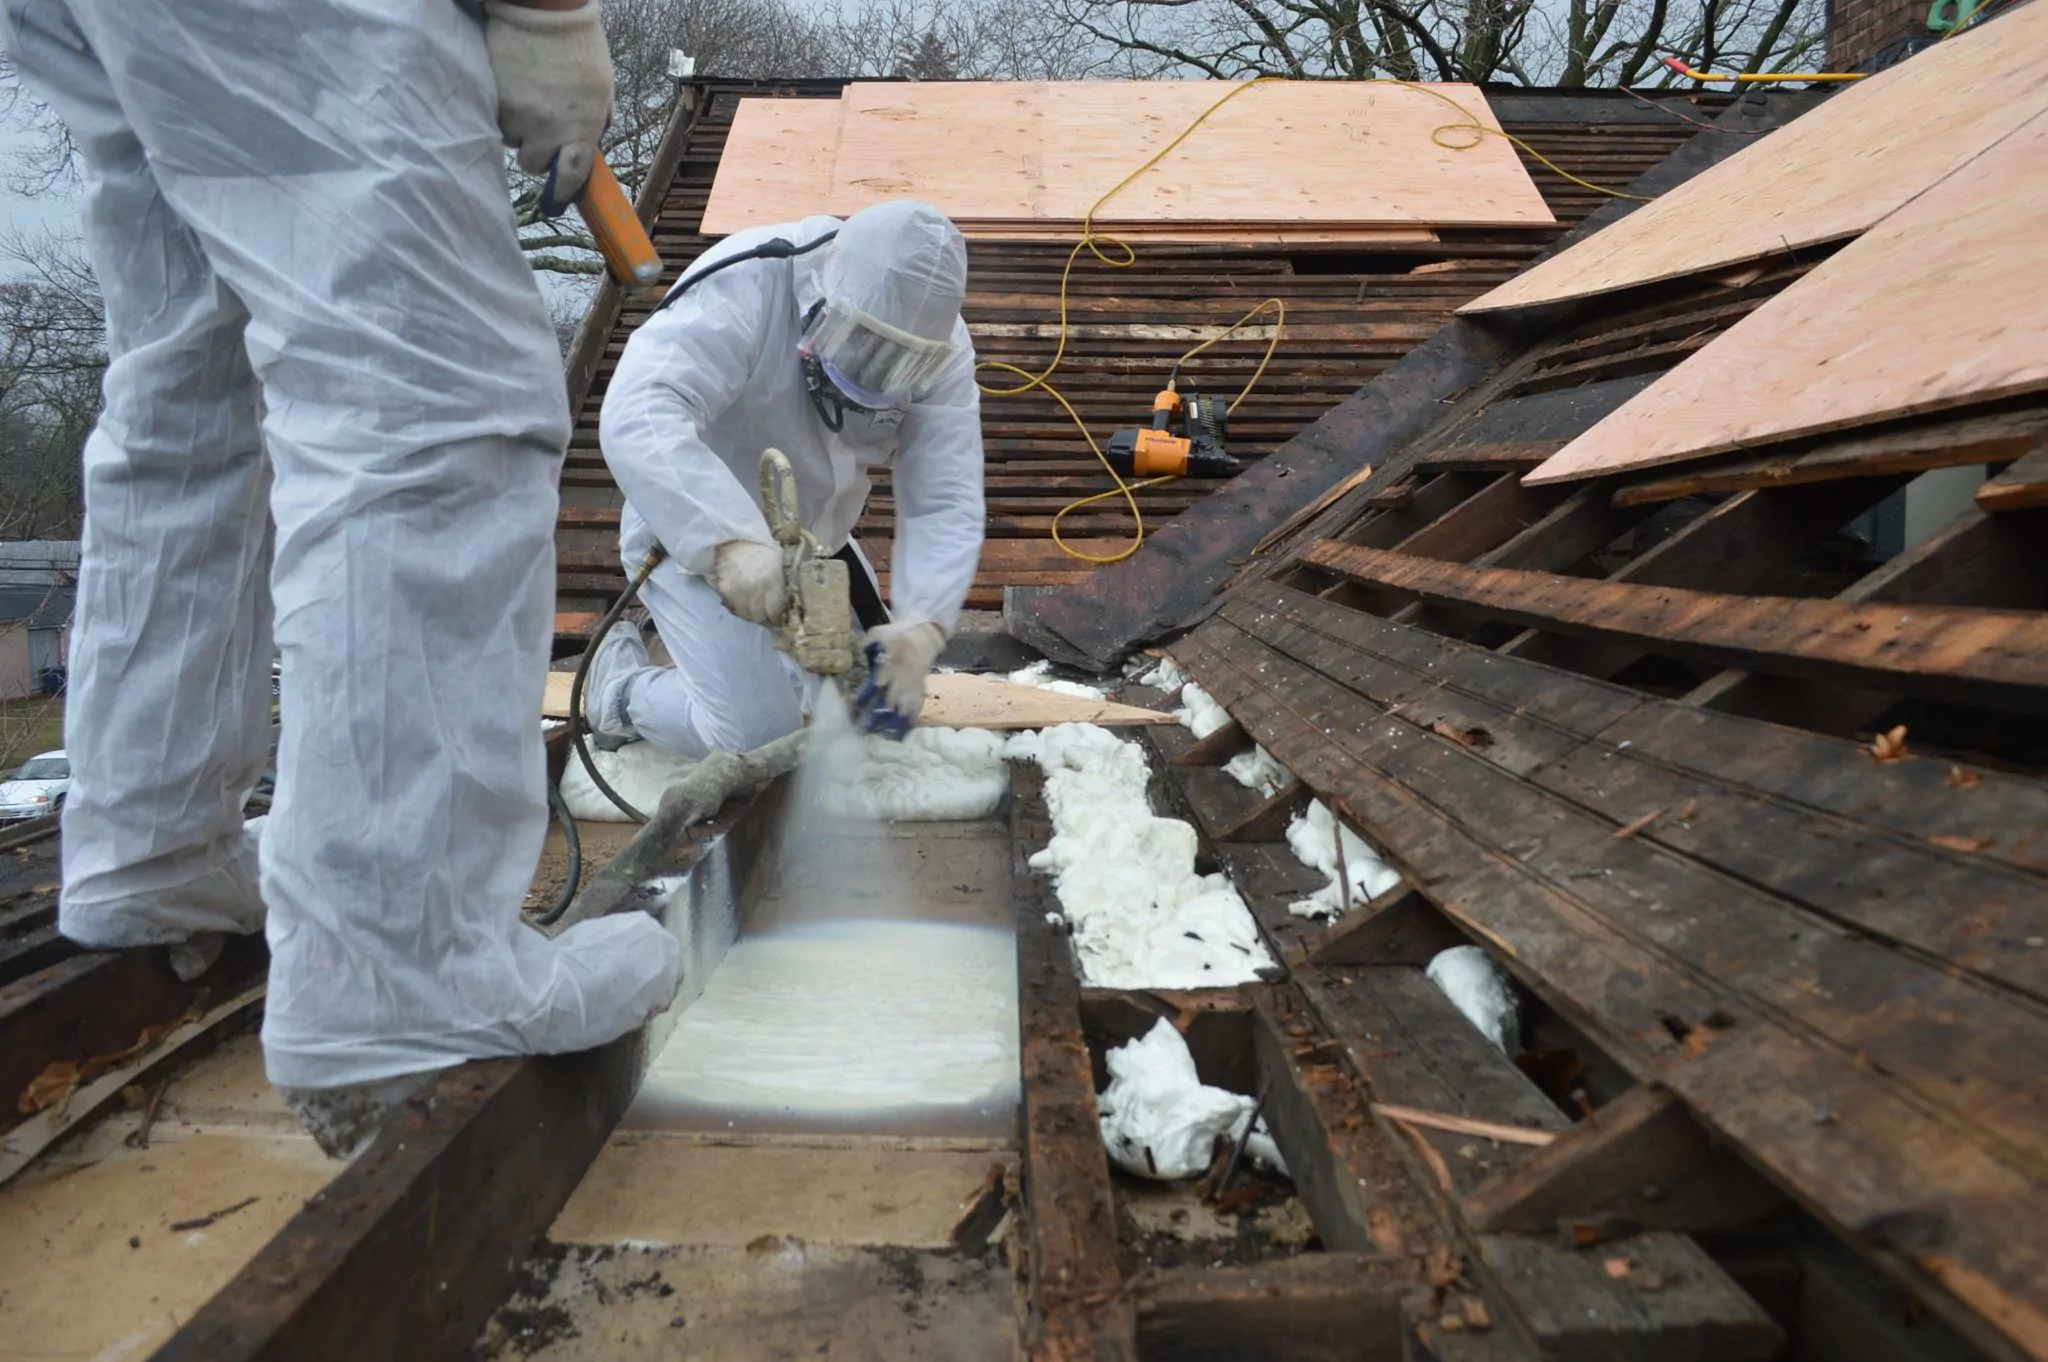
x,y
36,789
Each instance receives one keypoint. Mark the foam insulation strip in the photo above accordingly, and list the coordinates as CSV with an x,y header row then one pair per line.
x,y
1140,915
1159,1120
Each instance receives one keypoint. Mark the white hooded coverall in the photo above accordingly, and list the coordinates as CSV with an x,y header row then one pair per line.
x,y
318,317
710,381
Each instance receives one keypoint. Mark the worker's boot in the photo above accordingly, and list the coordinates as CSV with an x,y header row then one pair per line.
x,y
621,656
343,1121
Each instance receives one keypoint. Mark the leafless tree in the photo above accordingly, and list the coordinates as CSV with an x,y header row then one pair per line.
x,y
1528,42
52,356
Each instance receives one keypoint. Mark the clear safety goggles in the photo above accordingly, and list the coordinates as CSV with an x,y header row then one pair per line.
x,y
873,363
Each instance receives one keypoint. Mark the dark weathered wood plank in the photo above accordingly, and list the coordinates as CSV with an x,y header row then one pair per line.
x,y
1641,1159
1831,1129
2021,487
1994,658
1078,1309
1400,927
1319,1307
1939,444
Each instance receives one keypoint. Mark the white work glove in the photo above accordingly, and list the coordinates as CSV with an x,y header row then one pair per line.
x,y
900,657
554,74
748,578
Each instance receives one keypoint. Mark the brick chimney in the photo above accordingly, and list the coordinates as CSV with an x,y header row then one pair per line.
x,y
1869,35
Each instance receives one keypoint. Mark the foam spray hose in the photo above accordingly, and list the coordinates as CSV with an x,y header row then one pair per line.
x,y
579,723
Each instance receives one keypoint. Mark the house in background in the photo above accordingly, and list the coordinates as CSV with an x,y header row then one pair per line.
x,y
38,581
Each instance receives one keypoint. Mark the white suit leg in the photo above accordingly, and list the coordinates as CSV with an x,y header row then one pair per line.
x,y
341,168
168,708
730,690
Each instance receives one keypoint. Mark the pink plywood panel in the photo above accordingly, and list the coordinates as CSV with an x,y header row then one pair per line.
x,y
1941,304
1830,174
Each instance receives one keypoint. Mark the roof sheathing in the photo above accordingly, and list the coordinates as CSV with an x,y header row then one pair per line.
x,y
1351,314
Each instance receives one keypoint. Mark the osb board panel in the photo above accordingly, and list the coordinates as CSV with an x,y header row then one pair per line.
x,y
1299,154
777,164
1832,173
962,700
1944,302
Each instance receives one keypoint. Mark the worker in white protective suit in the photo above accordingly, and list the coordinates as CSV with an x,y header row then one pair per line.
x,y
319,320
842,346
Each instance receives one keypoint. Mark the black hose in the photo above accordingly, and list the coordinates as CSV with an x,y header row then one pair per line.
x,y
578,721
574,879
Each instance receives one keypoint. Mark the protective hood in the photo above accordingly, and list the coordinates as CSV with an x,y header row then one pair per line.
x,y
903,263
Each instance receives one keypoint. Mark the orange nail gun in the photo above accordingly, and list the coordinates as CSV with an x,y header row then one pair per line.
x,y
1185,440
614,226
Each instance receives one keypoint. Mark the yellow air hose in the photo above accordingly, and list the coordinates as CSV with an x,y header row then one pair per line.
x,y
1121,255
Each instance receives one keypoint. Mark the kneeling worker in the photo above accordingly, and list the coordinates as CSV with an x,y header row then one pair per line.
x,y
841,345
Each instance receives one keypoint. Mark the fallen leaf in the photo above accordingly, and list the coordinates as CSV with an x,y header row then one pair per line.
x,y
49,1087
1962,843
1890,746
1690,811
1636,825
1618,1268
1963,779
1698,1040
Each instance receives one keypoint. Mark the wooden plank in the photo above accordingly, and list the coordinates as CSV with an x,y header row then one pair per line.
x,y
1988,657
1319,1307
1888,327
1077,1307
1040,150
1835,172
1975,560
964,700
1216,748
1417,1050
101,1003
776,166
1640,1160
1937,444
1872,1152
2020,487
1268,822
1877,841
1400,927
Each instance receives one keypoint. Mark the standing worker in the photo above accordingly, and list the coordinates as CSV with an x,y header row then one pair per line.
x,y
322,333
840,344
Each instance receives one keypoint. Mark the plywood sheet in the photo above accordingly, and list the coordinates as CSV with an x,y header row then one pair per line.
x,y
1830,174
972,700
1303,154
777,164
964,700
1944,302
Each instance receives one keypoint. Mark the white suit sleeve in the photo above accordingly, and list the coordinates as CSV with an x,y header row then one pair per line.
x,y
680,371
940,518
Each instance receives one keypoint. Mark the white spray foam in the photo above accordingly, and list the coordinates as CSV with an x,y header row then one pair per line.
x,y
1039,676
1256,770
1198,713
935,774
1159,1120
1480,990
835,1018
1141,916
640,771
1313,838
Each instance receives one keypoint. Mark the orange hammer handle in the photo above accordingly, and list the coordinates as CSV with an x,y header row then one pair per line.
x,y
621,240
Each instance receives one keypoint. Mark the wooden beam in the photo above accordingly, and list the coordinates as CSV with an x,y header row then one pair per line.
x,y
101,1003
1400,927
1268,822
1217,748
2020,487
1077,1306
1640,1159
1319,1307
1975,560
1940,444
1993,658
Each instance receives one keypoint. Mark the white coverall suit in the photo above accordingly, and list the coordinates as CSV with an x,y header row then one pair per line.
x,y
318,316
703,387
